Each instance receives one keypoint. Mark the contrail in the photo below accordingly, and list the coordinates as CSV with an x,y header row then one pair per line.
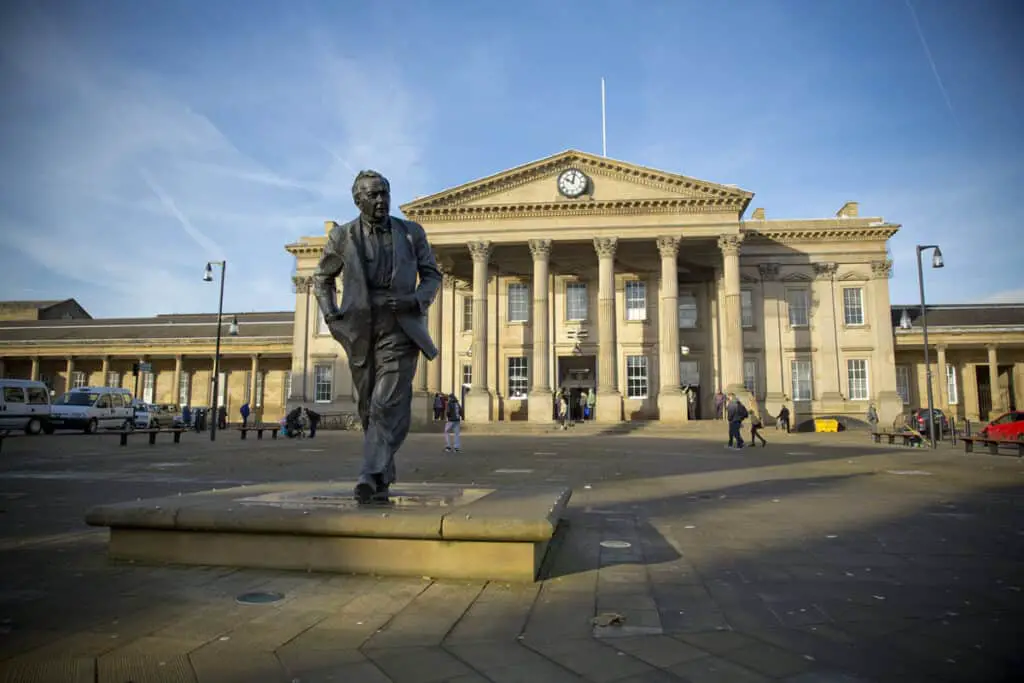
x,y
931,61
202,240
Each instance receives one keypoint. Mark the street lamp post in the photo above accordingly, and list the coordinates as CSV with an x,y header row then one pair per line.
x,y
208,277
936,263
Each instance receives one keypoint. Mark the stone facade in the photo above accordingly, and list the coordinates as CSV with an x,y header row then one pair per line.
x,y
644,282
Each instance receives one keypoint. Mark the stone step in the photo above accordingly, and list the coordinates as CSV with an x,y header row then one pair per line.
x,y
583,428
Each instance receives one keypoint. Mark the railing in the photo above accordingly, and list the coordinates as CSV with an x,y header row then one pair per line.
x,y
341,421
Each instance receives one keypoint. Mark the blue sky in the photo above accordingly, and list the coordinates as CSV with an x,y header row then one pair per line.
x,y
142,138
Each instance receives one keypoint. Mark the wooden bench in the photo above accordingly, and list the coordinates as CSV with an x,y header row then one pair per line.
x,y
907,437
124,434
259,429
993,444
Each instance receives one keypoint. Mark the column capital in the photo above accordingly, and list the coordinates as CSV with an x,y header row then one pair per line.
x,y
730,244
480,251
301,283
881,270
540,249
606,246
769,271
668,246
825,271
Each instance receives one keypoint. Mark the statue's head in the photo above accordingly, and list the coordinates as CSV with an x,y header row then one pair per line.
x,y
372,194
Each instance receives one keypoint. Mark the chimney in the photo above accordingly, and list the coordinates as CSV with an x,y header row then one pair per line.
x,y
849,210
758,214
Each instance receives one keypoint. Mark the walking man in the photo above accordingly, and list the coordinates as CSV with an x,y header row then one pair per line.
x,y
453,425
735,413
390,278
755,429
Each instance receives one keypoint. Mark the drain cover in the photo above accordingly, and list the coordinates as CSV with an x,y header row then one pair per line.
x,y
258,598
619,545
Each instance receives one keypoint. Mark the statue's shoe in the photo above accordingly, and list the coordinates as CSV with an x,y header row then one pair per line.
x,y
382,494
364,493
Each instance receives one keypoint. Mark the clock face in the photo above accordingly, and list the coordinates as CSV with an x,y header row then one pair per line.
x,y
572,182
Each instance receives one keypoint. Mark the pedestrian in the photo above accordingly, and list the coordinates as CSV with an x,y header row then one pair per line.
x,y
186,416
244,410
314,421
719,404
872,417
782,421
755,429
438,407
563,410
453,425
591,403
735,412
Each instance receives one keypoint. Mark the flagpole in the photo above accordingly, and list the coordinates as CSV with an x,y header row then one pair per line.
x,y
604,130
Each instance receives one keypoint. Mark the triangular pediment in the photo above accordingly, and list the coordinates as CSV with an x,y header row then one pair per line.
x,y
613,185
796,277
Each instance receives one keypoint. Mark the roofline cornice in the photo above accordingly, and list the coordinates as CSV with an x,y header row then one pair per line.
x,y
631,207
826,230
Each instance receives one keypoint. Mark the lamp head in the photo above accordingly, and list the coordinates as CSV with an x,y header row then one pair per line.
x,y
233,328
208,274
685,350
937,258
905,320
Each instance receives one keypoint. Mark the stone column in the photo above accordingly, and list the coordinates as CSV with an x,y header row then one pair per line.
x,y
827,384
539,402
773,294
254,372
104,370
609,400
942,385
177,379
732,318
671,400
478,400
69,370
35,369
434,316
993,383
889,404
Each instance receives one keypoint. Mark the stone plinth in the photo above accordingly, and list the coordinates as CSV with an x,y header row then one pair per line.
x,y
437,530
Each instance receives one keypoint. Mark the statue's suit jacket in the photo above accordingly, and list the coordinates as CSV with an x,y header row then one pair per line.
x,y
415,272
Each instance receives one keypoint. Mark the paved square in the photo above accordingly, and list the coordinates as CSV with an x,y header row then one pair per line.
x,y
818,558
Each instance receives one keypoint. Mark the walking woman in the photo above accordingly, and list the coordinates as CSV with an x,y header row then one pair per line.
x,y
755,429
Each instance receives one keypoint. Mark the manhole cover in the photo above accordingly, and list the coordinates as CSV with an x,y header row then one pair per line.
x,y
618,545
258,598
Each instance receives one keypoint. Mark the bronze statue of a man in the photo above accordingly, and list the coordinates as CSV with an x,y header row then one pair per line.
x,y
390,278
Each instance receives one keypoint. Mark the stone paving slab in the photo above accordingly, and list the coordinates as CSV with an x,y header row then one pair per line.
x,y
741,566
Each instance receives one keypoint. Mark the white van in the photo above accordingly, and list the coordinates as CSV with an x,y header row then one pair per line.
x,y
24,404
92,408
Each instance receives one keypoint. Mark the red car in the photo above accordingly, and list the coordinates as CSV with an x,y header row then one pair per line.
x,y
1007,427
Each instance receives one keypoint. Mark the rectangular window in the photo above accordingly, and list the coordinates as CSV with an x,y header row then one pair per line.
x,y
903,383
853,306
951,386
801,377
222,389
323,382
184,388
467,374
113,379
78,379
689,372
467,313
797,300
247,391
636,301
148,387
746,308
576,301
857,379
636,376
518,302
518,377
287,384
750,375
321,324
687,311
259,389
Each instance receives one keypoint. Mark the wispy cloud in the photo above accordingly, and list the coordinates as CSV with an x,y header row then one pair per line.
x,y
1009,296
122,190
931,60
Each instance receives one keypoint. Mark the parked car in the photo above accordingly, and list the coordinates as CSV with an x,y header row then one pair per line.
x,y
24,404
149,416
1008,426
941,422
92,408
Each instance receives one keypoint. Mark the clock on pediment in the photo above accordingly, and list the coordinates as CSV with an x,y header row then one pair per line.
x,y
573,183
